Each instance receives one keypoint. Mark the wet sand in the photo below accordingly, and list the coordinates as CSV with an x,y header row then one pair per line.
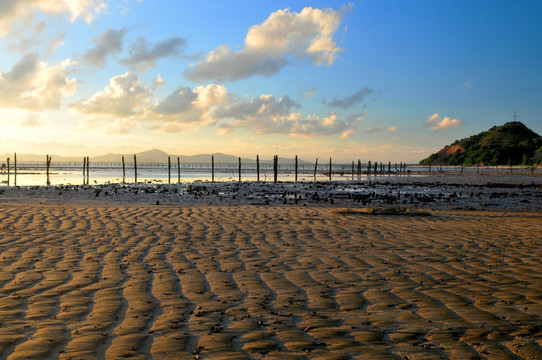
x,y
87,280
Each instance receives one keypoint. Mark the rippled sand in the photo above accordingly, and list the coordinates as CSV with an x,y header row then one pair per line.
x,y
273,282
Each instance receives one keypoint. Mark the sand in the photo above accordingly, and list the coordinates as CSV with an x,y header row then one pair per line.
x,y
85,280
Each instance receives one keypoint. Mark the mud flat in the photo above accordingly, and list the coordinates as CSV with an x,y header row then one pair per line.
x,y
500,192
83,279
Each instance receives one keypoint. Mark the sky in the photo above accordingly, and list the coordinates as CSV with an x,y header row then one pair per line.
x,y
379,80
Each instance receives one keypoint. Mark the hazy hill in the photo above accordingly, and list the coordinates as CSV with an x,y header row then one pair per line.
x,y
509,144
151,156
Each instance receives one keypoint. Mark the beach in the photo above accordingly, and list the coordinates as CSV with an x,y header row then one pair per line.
x,y
435,269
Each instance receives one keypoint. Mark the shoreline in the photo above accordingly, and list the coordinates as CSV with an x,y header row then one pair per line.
x,y
507,193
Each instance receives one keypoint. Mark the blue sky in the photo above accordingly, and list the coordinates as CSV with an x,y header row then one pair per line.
x,y
370,80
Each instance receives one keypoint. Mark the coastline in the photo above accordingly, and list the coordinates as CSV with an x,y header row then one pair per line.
x,y
437,191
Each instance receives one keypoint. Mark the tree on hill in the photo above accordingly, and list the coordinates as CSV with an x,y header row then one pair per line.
x,y
510,144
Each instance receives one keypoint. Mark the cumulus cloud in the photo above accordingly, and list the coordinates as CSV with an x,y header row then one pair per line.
x,y
310,93
108,43
190,106
22,10
436,122
267,115
19,117
35,85
185,108
144,55
268,47
35,39
123,97
350,100
379,128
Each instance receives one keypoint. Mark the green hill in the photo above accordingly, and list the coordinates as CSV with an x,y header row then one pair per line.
x,y
510,144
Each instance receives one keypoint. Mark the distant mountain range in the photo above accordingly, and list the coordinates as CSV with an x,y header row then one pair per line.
x,y
509,144
154,156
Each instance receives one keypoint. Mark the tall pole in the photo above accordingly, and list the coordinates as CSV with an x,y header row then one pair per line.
x,y
169,169
178,169
258,167
15,163
275,168
239,169
315,168
212,168
359,169
8,171
123,171
135,169
88,170
47,165
296,168
329,169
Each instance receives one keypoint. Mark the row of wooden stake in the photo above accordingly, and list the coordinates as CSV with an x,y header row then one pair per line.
x,y
86,169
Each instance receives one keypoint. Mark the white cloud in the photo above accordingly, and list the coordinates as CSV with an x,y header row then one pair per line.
x,y
24,118
266,115
189,106
436,122
379,128
284,36
109,126
212,105
108,43
310,93
350,100
22,10
35,85
185,109
124,96
144,55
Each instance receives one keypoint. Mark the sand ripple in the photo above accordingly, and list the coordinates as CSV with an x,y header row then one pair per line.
x,y
236,282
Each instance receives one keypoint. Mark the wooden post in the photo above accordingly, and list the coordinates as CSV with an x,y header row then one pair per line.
x,y
135,169
376,168
178,170
258,168
239,169
88,170
275,168
123,171
296,168
212,168
169,169
359,169
389,167
15,163
329,169
84,169
8,171
369,169
315,168
352,170
48,165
